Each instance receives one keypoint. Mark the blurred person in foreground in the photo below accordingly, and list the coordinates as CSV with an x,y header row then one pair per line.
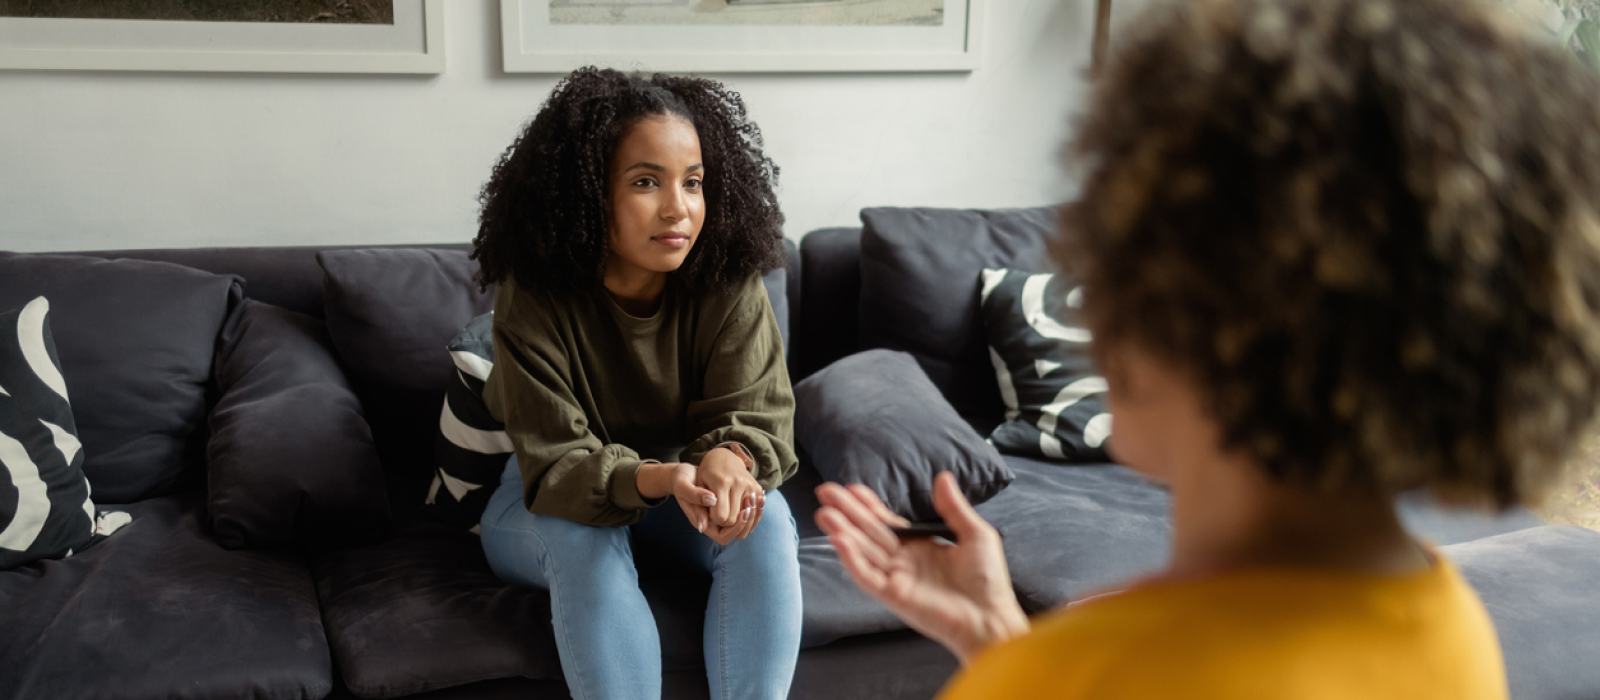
x,y
1333,250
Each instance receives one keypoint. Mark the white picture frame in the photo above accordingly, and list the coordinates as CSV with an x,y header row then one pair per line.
x,y
530,43
413,44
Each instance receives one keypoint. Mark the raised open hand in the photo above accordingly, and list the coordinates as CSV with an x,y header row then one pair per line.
x,y
957,594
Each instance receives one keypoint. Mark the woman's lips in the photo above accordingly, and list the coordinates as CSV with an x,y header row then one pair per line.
x,y
672,240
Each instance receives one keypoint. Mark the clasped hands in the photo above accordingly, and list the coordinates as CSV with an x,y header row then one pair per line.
x,y
720,496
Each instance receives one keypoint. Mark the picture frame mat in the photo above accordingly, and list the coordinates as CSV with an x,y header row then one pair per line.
x,y
414,43
531,44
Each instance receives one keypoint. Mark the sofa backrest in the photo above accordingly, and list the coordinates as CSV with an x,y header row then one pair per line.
x,y
908,280
823,312
384,351
283,276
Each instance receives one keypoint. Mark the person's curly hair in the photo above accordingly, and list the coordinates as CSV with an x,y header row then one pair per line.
x,y
546,209
1366,229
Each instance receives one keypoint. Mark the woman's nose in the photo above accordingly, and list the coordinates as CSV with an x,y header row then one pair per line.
x,y
676,207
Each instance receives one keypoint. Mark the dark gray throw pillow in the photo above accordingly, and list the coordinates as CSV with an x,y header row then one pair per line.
x,y
389,310
1055,401
874,418
472,447
45,508
919,289
136,341
291,459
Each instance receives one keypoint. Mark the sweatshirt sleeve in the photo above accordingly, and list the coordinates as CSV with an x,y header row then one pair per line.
x,y
745,396
567,471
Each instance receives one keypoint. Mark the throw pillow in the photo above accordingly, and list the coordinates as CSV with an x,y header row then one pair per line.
x,y
1055,403
874,418
919,288
291,458
136,341
472,447
389,310
45,509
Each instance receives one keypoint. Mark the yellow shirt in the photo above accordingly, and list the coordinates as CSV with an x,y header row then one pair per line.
x,y
1274,634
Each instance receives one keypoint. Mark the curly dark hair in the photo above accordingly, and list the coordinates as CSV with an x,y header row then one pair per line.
x,y
546,209
1366,229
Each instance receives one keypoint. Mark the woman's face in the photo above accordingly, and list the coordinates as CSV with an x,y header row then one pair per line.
x,y
657,196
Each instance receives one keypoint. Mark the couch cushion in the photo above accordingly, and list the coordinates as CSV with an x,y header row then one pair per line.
x,y
390,312
158,610
830,290
919,288
45,511
421,611
472,448
1054,397
1539,588
290,458
136,341
873,418
1072,529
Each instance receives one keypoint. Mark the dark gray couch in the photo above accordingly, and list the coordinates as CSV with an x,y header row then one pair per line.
x,y
411,608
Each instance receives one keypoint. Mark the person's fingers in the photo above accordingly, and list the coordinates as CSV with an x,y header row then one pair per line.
x,y
867,577
695,514
858,513
726,509
869,498
841,529
761,506
706,497
956,511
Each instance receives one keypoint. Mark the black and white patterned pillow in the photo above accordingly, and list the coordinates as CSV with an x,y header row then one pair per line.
x,y
45,509
1055,403
472,447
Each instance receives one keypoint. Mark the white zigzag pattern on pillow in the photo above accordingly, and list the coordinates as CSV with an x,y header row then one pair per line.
x,y
466,437
30,334
33,498
472,364
1051,413
1033,310
1008,390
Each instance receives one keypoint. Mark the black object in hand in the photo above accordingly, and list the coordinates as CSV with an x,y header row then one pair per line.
x,y
921,530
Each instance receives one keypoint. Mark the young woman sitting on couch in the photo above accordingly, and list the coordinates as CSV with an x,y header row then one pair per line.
x,y
1334,250
637,358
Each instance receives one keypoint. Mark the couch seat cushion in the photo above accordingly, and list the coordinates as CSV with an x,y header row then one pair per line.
x,y
158,610
136,341
421,611
1072,529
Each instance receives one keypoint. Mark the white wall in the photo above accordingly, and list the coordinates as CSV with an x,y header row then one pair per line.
x,y
151,160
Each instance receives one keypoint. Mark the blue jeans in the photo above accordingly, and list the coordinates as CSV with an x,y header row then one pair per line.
x,y
605,633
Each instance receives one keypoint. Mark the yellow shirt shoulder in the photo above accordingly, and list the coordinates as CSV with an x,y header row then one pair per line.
x,y
1270,633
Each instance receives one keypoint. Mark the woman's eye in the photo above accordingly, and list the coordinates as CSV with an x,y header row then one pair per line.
x,y
644,182
693,184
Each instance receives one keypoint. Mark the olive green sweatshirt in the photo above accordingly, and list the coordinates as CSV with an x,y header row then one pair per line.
x,y
588,392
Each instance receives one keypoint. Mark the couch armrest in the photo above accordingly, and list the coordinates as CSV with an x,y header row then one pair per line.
x,y
291,458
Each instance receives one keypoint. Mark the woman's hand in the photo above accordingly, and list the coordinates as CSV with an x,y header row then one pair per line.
x,y
957,594
740,499
658,479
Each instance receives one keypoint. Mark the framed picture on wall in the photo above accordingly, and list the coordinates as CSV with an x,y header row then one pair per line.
x,y
741,36
268,36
